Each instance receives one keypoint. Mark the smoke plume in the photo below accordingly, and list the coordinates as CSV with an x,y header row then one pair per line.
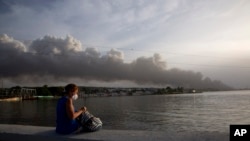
x,y
59,59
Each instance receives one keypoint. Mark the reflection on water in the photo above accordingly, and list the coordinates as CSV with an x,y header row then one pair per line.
x,y
213,111
40,112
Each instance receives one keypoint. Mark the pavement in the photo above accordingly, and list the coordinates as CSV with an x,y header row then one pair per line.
x,y
10,132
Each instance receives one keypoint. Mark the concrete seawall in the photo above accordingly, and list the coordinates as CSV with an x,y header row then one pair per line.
x,y
38,133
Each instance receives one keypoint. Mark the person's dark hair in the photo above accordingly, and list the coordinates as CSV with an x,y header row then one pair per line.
x,y
70,88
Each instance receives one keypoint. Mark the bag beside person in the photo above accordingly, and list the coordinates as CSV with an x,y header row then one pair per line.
x,y
90,123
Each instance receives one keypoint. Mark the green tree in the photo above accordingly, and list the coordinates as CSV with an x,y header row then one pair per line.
x,y
180,89
56,91
43,91
169,90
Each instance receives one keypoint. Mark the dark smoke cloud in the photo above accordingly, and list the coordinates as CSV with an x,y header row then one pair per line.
x,y
58,59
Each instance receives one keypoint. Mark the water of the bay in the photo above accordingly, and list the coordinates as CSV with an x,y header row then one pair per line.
x,y
208,111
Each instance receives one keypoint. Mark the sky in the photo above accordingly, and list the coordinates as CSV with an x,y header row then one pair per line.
x,y
191,43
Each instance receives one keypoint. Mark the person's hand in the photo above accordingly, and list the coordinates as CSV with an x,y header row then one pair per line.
x,y
84,109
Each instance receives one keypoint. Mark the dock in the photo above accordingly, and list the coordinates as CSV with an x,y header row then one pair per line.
x,y
39,133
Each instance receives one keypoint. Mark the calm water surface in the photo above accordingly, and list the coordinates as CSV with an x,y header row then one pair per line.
x,y
210,111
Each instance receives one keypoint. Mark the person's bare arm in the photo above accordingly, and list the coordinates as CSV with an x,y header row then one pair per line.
x,y
71,111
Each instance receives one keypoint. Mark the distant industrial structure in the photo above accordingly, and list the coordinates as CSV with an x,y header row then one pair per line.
x,y
18,94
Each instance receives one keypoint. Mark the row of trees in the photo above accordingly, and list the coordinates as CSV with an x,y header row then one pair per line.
x,y
57,91
169,90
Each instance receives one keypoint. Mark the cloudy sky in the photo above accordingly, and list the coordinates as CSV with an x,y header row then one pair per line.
x,y
208,40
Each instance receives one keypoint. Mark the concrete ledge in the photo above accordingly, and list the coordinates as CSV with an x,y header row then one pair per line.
x,y
38,133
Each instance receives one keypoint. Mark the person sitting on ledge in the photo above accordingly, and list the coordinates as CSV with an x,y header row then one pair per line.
x,y
66,120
